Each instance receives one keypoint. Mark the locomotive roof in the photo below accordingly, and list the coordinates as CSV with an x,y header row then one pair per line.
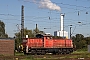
x,y
47,35
44,35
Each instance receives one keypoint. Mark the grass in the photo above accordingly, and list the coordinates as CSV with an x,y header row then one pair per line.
x,y
81,53
19,54
29,57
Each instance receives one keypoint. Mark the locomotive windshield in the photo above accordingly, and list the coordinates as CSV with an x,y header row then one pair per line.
x,y
39,36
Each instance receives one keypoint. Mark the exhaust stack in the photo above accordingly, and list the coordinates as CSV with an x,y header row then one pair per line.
x,y
62,22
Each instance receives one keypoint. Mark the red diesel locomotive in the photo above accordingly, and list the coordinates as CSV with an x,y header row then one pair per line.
x,y
43,44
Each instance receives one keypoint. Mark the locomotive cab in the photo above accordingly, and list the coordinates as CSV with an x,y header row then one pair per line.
x,y
46,36
39,36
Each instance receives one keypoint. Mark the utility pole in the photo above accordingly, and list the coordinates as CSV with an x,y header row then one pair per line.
x,y
22,22
70,32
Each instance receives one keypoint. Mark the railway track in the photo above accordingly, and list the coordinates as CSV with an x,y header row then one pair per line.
x,y
46,57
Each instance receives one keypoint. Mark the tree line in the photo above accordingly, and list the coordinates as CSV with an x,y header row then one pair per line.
x,y
2,30
80,41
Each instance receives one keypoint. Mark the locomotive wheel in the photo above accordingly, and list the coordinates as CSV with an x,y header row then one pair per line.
x,y
59,52
43,52
38,52
54,53
33,52
67,52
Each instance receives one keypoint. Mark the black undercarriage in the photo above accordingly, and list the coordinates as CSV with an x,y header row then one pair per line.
x,y
43,51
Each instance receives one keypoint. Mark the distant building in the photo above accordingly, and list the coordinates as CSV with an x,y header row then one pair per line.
x,y
60,33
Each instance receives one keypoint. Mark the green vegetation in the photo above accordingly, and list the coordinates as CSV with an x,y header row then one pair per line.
x,y
80,53
19,54
29,58
80,41
2,30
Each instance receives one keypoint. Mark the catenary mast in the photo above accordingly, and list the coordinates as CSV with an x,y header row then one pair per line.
x,y
22,22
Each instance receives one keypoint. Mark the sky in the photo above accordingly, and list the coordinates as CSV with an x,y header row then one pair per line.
x,y
46,14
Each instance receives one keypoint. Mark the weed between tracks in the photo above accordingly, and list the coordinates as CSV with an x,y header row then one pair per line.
x,y
75,55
